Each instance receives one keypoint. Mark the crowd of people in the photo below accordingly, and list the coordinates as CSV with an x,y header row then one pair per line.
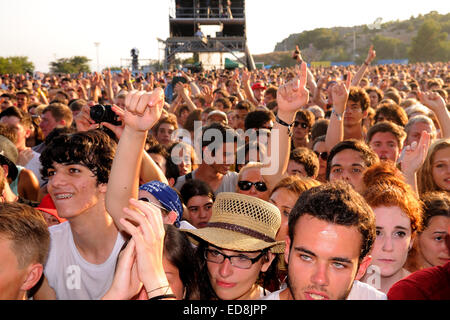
x,y
295,183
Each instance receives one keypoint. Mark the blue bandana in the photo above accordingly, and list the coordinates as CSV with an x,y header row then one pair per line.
x,y
166,196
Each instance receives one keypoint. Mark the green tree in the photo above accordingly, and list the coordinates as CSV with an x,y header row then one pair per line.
x,y
321,38
70,65
430,44
389,48
16,64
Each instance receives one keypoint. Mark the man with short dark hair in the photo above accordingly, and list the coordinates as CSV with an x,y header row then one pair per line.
x,y
303,162
270,95
331,233
386,139
348,161
23,98
350,107
215,168
259,119
240,113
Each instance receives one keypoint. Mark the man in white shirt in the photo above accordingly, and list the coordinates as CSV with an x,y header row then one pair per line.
x,y
331,233
84,249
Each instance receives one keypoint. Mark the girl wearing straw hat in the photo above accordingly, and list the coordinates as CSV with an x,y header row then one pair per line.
x,y
238,249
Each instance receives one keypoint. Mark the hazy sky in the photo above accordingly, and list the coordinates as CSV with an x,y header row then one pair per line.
x,y
45,30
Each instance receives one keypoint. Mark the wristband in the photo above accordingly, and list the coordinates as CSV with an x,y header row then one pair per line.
x,y
163,296
166,287
289,126
366,63
338,115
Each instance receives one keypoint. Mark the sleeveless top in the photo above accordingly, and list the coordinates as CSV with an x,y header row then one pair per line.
x,y
14,185
70,275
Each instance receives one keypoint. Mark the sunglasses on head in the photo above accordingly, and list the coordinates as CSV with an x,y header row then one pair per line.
x,y
323,155
302,124
163,210
246,185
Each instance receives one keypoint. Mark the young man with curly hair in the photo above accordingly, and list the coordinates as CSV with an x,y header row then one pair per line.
x,y
84,249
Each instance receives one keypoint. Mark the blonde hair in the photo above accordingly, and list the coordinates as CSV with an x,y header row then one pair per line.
x,y
425,181
252,165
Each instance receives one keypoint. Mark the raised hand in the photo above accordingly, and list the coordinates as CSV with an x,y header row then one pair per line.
x,y
207,94
371,55
245,76
293,95
340,93
180,89
414,155
126,283
126,74
145,225
432,100
83,120
143,109
108,77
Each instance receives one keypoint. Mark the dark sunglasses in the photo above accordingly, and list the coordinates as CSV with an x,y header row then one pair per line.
x,y
323,155
246,185
302,124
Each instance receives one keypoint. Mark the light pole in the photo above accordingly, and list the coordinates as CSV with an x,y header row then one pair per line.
x,y
97,44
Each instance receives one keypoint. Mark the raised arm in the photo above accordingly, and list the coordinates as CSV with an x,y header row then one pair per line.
x,y
141,113
127,77
142,259
310,81
317,95
291,97
183,93
412,159
246,86
358,76
108,86
335,130
194,88
436,103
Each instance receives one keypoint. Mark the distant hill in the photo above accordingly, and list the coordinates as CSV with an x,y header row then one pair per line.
x,y
393,40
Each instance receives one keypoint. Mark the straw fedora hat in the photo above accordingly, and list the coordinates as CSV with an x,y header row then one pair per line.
x,y
241,223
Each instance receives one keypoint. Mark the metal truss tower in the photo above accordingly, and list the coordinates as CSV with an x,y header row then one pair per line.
x,y
189,19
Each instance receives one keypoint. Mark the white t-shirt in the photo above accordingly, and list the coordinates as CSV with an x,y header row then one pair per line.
x,y
35,165
71,276
229,182
364,291
360,291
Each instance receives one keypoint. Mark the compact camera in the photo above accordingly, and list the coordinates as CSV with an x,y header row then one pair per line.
x,y
100,113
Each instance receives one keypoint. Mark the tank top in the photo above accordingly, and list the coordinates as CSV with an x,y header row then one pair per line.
x,y
14,185
70,275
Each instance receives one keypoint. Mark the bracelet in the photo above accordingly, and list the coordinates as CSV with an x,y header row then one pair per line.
x,y
166,286
289,126
163,296
338,115
366,63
